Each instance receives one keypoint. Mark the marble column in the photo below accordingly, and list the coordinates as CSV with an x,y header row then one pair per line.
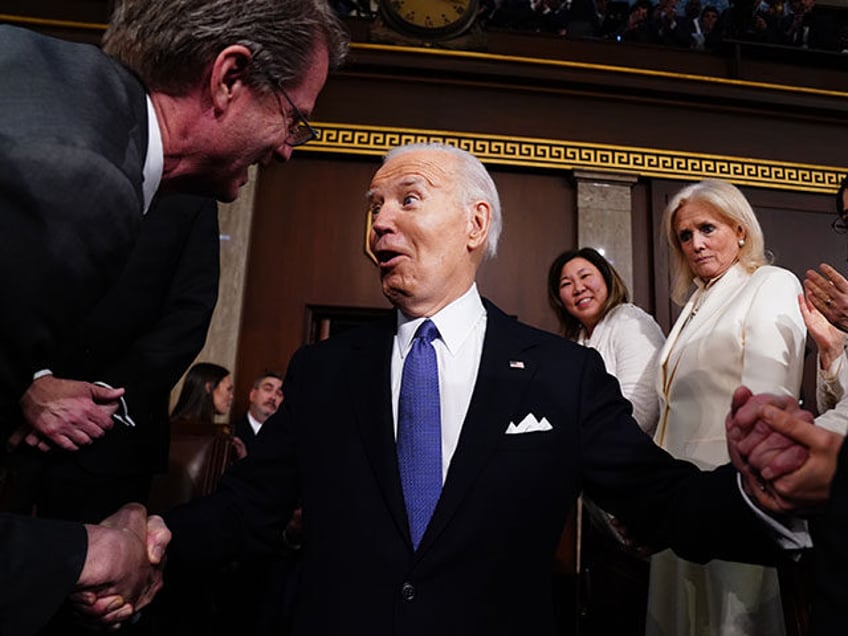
x,y
604,218
235,222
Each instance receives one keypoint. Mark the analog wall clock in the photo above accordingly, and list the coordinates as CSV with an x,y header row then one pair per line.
x,y
431,19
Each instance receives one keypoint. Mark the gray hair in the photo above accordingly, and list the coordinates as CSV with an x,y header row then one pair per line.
x,y
728,202
474,184
169,43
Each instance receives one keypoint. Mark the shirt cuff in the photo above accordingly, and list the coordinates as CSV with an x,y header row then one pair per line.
x,y
790,533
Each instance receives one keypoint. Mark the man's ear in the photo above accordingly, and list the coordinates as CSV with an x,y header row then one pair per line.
x,y
479,221
227,75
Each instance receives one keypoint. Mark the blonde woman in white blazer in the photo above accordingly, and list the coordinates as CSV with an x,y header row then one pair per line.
x,y
741,325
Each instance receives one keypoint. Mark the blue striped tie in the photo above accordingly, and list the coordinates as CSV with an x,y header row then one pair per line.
x,y
419,435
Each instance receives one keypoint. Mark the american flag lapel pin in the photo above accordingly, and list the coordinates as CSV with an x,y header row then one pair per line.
x,y
516,364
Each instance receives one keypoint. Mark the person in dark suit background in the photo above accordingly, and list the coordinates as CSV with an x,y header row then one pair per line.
x,y
264,399
141,336
185,98
523,421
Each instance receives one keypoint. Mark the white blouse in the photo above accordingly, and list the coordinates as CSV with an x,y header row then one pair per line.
x,y
629,340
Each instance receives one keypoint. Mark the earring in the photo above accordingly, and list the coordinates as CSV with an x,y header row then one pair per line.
x,y
741,242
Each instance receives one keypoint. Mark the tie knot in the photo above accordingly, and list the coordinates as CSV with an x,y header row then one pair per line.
x,y
427,331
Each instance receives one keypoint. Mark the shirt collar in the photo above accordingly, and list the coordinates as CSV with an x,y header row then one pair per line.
x,y
154,161
254,423
454,322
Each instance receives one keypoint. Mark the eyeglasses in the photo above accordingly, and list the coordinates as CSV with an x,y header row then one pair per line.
x,y
300,131
840,224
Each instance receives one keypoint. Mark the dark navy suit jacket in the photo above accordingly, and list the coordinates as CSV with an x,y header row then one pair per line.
x,y
484,564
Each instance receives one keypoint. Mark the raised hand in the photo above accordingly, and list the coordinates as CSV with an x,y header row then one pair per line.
x,y
67,413
829,340
828,292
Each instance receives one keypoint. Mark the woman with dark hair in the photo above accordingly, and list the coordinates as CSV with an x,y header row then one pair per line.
x,y
200,450
591,303
207,392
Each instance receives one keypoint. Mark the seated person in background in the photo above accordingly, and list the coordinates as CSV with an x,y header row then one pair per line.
x,y
637,26
591,303
201,450
265,398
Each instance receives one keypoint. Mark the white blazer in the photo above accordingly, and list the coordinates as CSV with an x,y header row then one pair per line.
x,y
740,329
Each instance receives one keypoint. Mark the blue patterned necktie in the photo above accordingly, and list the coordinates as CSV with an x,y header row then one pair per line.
x,y
419,434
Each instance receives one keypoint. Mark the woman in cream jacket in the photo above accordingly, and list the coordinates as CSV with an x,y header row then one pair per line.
x,y
740,326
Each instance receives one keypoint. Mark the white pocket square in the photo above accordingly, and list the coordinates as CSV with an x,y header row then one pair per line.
x,y
528,425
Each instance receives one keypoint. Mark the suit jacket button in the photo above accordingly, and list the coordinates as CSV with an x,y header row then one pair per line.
x,y
407,592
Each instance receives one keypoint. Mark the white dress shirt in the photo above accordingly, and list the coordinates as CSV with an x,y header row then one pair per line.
x,y
254,423
462,328
154,161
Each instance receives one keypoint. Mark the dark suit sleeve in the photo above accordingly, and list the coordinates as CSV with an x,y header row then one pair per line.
x,y
830,557
664,502
161,354
255,497
40,563
67,221
147,330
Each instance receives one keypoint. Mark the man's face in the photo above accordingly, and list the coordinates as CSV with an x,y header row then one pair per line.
x,y
266,398
427,242
255,130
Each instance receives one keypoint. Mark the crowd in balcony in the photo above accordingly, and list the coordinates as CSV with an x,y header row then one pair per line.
x,y
693,25
688,24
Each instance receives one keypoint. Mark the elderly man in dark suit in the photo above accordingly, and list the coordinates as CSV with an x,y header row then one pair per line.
x,y
185,98
438,453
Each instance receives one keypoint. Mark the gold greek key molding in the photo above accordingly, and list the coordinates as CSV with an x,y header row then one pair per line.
x,y
557,154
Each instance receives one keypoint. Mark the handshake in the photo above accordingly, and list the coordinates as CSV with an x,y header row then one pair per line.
x,y
787,463
123,566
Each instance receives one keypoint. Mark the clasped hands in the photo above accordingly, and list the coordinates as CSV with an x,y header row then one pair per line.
x,y
65,413
787,463
123,566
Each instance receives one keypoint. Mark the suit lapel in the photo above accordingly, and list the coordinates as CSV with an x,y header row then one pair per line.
x,y
497,392
369,374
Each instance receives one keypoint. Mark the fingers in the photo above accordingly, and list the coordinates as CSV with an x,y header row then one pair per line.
x,y
794,426
835,278
740,396
158,538
101,394
18,436
785,462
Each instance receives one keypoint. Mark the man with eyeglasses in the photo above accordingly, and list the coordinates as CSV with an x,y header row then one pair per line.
x,y
795,466
185,96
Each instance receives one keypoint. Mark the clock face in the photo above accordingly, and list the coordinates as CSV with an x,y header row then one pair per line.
x,y
430,18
